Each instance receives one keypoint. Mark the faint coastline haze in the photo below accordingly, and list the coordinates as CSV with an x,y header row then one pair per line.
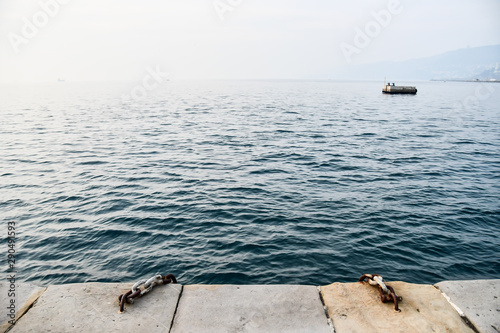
x,y
116,40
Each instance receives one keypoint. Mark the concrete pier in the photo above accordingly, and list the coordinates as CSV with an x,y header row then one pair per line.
x,y
230,308
477,301
449,306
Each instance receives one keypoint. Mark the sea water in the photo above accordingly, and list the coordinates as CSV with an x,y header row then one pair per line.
x,y
249,182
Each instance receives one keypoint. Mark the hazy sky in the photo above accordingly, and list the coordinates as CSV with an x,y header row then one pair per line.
x,y
42,40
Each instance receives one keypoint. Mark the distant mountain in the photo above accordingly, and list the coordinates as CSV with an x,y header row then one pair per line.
x,y
490,74
468,63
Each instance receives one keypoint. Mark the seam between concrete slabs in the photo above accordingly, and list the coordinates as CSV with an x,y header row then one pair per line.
x,y
176,307
27,306
325,309
459,311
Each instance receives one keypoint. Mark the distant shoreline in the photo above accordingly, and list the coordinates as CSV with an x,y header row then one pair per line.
x,y
455,80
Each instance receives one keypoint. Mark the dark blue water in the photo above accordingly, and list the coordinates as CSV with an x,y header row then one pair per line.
x,y
252,181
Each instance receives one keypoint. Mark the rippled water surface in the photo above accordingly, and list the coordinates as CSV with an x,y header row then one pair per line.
x,y
252,181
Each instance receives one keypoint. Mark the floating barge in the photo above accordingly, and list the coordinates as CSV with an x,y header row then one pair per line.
x,y
391,88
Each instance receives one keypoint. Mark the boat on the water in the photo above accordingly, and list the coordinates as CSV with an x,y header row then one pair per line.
x,y
391,88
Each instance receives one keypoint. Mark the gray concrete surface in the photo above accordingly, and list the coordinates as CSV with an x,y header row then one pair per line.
x,y
23,296
351,307
257,308
93,307
357,308
479,301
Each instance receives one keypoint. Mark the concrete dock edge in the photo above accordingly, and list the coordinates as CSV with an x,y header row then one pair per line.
x,y
338,307
478,302
250,308
23,295
93,307
357,307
